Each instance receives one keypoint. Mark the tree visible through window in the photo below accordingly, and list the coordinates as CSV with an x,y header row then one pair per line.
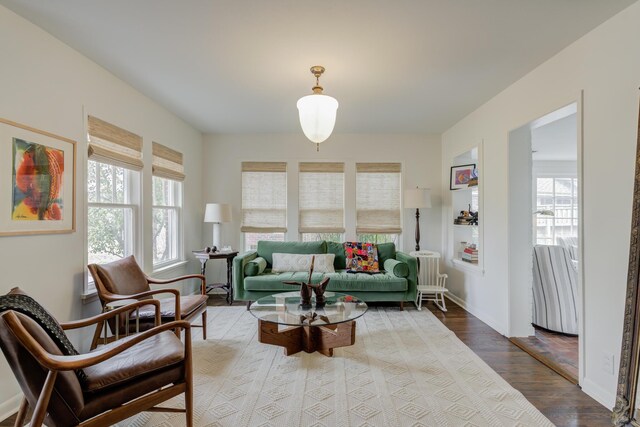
x,y
167,202
110,212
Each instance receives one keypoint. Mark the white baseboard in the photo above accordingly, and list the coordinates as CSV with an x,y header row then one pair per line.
x,y
476,312
10,407
604,397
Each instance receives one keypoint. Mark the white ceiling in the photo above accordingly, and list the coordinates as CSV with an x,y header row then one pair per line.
x,y
239,66
557,140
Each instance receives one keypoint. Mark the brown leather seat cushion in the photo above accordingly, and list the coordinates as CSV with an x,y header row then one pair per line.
x,y
157,352
110,397
188,304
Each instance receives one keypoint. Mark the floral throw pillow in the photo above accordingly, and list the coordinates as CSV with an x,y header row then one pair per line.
x,y
362,257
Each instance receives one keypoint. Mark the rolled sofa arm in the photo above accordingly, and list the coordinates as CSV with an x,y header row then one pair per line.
x,y
396,268
238,272
412,278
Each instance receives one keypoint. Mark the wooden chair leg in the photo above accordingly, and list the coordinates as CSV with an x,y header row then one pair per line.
x,y
40,411
188,393
204,324
22,413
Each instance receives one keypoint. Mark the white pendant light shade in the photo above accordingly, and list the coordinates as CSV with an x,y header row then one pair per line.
x,y
317,112
317,116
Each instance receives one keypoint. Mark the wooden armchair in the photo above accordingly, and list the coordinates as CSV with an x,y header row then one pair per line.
x,y
101,387
124,280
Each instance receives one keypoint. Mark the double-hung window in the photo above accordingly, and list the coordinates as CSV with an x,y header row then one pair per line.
x,y
321,201
113,192
168,174
264,202
557,195
378,211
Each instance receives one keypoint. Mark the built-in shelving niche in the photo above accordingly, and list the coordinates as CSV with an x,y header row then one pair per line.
x,y
462,200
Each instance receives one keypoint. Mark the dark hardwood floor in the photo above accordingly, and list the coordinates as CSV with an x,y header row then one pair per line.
x,y
557,351
562,402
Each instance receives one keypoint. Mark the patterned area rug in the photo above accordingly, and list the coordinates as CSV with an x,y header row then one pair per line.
x,y
406,369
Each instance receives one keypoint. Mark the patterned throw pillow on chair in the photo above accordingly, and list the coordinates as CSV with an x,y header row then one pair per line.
x,y
362,257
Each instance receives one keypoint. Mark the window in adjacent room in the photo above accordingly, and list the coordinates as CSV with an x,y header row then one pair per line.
x,y
113,193
378,212
321,201
264,202
168,174
559,195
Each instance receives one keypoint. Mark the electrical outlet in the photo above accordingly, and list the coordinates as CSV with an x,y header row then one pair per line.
x,y
608,363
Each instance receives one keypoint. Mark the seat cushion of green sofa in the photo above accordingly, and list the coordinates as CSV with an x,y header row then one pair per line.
x,y
273,281
341,281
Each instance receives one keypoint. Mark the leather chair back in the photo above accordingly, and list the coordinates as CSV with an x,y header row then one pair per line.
x,y
123,277
67,398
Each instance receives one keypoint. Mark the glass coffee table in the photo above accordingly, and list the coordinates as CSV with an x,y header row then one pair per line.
x,y
284,322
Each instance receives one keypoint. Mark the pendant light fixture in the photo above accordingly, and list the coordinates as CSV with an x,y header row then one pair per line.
x,y
317,111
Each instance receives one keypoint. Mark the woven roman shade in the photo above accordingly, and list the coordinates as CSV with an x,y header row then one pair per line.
x,y
111,144
378,198
321,198
167,163
264,197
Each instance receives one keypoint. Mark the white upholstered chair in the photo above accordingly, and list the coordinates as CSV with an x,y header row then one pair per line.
x,y
555,290
431,283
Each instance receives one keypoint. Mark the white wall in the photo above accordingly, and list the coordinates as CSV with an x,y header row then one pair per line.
x,y
555,168
605,65
419,155
47,85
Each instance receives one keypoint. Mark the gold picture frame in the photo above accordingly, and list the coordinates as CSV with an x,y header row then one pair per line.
x,y
38,182
624,412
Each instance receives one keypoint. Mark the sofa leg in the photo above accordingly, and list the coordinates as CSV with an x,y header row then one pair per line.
x,y
401,305
248,305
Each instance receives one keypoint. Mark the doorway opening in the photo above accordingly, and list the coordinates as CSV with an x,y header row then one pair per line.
x,y
544,238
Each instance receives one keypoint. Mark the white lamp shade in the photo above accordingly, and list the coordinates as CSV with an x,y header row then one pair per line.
x,y
217,212
416,198
317,116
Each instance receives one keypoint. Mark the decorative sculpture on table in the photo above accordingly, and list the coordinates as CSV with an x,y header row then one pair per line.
x,y
306,288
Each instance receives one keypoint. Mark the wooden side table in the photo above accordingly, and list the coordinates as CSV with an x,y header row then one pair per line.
x,y
203,257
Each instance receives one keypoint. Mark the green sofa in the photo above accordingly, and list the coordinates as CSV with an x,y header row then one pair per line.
x,y
253,279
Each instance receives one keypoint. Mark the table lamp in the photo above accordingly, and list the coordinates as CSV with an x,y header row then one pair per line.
x,y
217,213
416,198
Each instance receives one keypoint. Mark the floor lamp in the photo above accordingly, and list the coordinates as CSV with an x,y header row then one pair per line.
x,y
416,198
217,213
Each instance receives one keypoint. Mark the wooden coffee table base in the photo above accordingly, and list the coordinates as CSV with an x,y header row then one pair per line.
x,y
294,339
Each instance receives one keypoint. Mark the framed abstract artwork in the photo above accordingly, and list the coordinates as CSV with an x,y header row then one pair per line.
x,y
37,186
461,175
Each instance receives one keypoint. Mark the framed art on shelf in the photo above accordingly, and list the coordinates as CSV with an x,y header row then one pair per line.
x,y
37,188
461,175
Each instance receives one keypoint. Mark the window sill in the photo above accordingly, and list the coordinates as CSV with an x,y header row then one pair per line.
x,y
89,297
169,267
